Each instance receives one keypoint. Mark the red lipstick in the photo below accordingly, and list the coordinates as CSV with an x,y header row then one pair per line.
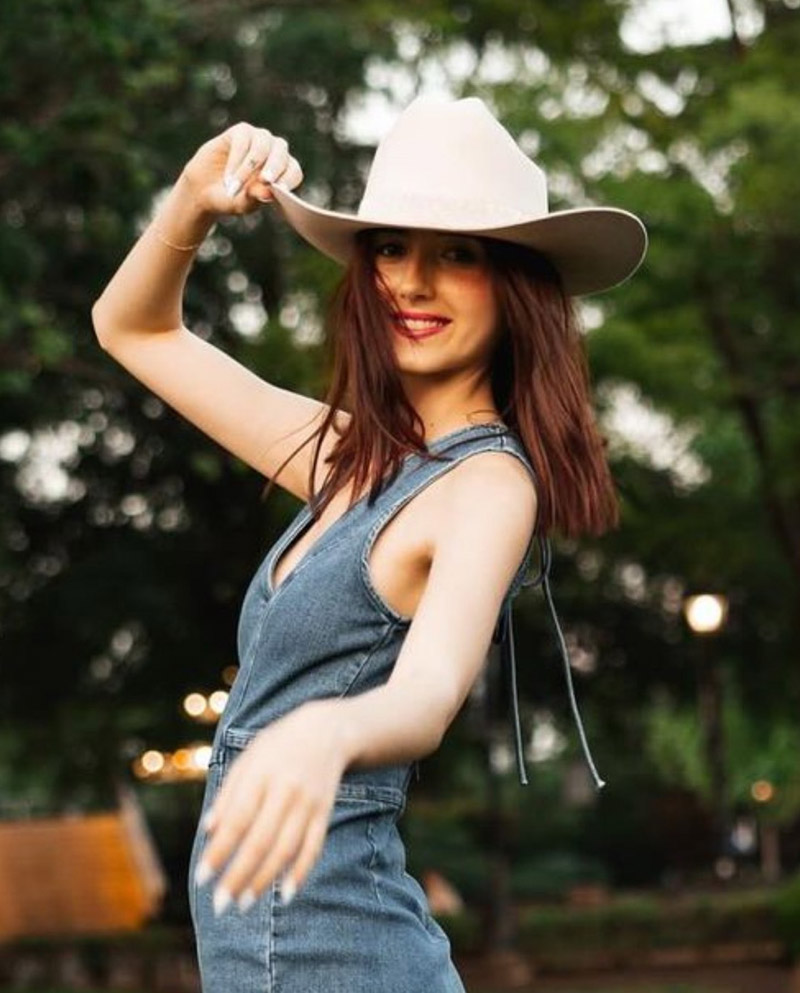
x,y
419,324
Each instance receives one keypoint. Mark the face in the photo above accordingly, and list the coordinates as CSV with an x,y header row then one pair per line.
x,y
440,285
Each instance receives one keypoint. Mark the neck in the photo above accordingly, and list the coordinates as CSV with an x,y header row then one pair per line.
x,y
444,410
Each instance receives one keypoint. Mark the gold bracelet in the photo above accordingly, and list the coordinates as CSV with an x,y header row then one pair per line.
x,y
180,248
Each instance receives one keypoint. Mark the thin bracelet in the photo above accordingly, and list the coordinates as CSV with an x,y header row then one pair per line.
x,y
180,248
157,230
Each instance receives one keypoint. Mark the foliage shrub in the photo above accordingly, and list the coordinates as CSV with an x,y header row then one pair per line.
x,y
786,904
552,874
629,925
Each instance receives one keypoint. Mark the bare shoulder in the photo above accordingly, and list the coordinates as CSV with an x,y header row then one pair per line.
x,y
493,483
488,500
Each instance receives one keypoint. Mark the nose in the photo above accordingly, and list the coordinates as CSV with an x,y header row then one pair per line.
x,y
416,279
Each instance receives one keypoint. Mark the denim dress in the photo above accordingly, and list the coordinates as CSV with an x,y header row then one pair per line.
x,y
359,923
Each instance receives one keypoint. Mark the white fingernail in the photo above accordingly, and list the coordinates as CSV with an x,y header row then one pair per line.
x,y
288,890
222,898
268,175
247,899
232,185
203,873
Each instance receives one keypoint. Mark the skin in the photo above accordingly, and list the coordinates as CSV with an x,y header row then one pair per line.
x,y
446,375
271,814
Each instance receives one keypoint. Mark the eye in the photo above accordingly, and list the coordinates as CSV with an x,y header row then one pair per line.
x,y
388,248
463,253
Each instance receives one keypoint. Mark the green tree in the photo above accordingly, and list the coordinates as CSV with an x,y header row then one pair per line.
x,y
761,763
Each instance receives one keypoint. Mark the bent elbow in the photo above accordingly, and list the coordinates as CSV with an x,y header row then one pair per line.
x,y
100,324
438,728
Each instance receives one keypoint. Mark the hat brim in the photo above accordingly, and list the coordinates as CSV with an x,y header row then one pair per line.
x,y
593,248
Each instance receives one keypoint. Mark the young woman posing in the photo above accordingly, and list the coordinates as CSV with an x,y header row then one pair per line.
x,y
457,428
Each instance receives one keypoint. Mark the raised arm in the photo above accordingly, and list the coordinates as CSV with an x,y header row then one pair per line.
x,y
138,316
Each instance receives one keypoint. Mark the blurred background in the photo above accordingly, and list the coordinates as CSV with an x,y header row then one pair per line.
x,y
127,537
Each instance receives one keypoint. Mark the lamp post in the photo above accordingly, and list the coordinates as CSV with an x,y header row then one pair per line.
x,y
763,793
706,614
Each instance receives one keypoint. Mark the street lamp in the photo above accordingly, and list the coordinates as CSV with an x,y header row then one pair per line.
x,y
706,614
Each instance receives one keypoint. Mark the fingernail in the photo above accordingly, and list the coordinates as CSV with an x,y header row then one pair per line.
x,y
203,873
288,890
208,820
247,899
222,898
232,185
268,175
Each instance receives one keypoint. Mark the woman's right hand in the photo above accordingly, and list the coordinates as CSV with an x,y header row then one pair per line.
x,y
251,156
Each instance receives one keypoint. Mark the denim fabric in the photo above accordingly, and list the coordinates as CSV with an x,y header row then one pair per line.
x,y
360,922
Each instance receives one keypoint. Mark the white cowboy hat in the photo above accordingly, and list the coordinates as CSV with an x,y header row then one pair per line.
x,y
449,165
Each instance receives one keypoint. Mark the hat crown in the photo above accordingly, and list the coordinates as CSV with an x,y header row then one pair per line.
x,y
451,162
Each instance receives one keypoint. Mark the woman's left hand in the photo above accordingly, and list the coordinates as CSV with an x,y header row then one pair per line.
x,y
271,813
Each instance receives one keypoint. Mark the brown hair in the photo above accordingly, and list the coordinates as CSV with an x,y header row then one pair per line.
x,y
539,380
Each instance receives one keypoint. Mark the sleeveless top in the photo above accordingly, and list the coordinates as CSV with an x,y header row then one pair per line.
x,y
327,632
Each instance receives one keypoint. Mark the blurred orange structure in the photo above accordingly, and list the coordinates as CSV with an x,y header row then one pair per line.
x,y
79,874
443,897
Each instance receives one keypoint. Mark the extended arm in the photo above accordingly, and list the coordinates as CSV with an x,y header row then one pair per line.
x,y
479,548
274,806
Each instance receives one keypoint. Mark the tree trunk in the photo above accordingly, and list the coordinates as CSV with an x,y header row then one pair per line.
x,y
770,844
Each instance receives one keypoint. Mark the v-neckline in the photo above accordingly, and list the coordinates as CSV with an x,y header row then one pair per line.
x,y
295,533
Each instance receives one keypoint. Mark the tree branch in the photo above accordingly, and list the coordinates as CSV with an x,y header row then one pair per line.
x,y
785,522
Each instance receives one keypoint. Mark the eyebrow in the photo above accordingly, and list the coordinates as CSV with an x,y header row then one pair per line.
x,y
441,234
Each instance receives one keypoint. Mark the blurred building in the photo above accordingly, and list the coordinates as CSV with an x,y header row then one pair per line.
x,y
79,874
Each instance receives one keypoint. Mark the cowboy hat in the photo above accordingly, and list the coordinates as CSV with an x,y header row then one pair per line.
x,y
449,165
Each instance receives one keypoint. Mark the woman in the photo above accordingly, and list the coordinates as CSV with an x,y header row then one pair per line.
x,y
458,425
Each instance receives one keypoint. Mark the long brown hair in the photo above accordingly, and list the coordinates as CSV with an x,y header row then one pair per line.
x,y
539,379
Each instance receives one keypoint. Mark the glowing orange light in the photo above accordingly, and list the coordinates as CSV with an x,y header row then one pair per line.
x,y
182,759
762,791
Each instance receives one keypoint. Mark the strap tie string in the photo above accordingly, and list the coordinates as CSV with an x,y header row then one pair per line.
x,y
504,636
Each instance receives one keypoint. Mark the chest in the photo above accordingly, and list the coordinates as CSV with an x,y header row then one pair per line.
x,y
398,558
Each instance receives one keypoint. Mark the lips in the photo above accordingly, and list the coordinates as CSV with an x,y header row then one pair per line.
x,y
420,325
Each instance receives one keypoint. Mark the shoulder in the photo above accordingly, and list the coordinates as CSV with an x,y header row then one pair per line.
x,y
492,477
490,491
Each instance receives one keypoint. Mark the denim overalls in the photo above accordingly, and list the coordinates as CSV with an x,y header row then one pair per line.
x,y
360,923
